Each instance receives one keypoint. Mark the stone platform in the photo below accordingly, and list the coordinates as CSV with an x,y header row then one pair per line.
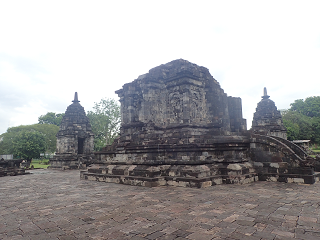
x,y
204,175
69,161
74,209
224,160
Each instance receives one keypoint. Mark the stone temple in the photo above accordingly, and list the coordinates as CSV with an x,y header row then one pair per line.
x,y
74,139
267,119
179,128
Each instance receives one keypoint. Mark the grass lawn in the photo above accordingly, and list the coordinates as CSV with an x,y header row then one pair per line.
x,y
316,151
38,163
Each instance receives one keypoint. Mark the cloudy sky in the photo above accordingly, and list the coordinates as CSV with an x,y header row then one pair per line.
x,y
51,49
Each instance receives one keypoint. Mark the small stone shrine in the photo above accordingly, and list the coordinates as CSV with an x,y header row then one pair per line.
x,y
267,119
74,139
179,128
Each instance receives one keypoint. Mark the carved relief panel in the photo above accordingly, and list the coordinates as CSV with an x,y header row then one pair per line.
x,y
197,105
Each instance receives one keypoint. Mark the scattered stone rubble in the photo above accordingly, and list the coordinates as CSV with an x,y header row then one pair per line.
x,y
11,167
179,128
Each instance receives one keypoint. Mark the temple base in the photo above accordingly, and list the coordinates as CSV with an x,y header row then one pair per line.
x,y
304,175
69,161
198,176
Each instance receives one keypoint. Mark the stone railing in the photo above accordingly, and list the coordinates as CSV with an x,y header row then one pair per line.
x,y
282,147
298,150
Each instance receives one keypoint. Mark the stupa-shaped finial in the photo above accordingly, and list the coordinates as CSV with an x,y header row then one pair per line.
x,y
265,95
75,98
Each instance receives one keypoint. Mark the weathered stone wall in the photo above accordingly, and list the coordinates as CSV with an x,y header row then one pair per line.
x,y
227,149
177,103
174,94
237,123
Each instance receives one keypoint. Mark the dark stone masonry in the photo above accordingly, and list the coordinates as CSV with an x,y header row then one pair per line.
x,y
179,128
11,167
74,139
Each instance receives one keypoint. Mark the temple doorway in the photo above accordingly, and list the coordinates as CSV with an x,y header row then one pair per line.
x,y
80,145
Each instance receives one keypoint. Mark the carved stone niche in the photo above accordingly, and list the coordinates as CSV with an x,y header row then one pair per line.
x,y
178,128
74,139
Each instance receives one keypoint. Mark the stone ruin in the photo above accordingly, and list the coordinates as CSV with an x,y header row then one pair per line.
x,y
179,128
11,167
74,139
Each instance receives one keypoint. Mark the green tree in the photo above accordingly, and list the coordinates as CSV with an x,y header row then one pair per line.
x,y
105,122
292,129
28,144
316,130
6,143
309,107
298,125
51,118
49,131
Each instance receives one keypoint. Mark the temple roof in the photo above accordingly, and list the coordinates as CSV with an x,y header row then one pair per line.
x,y
176,68
75,115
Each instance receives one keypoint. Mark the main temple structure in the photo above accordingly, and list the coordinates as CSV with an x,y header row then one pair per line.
x,y
180,128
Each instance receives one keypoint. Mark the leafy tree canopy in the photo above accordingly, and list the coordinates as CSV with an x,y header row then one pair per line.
x,y
49,132
298,125
105,122
309,107
51,118
302,120
28,144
